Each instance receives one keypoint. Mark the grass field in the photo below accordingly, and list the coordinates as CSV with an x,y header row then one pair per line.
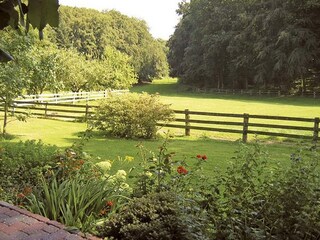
x,y
64,134
239,104
267,105
219,152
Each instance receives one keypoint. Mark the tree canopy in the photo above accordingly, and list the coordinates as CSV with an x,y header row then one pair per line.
x,y
91,32
242,44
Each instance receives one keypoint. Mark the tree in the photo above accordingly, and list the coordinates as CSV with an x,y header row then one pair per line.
x,y
242,44
38,13
90,32
42,68
12,74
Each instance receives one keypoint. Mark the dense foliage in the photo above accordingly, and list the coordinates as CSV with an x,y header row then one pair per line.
x,y
62,185
242,44
21,166
251,200
91,32
170,199
131,115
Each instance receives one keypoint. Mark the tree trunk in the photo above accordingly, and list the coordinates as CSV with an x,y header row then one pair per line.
x,y
5,118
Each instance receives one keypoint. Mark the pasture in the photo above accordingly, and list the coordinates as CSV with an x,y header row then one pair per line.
x,y
219,147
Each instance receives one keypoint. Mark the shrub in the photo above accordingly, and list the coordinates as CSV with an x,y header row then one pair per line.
x,y
168,201
21,164
153,216
259,202
131,115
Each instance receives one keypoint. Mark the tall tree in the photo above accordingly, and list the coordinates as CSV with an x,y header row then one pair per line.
x,y
91,32
260,44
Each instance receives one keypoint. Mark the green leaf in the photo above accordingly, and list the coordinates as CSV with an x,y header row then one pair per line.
x,y
43,12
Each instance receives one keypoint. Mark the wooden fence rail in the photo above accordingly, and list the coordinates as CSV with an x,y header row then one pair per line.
x,y
314,94
244,124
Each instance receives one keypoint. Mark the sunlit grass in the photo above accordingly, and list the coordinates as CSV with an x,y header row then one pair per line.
x,y
214,145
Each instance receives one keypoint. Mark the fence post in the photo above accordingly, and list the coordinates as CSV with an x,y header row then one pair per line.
x,y
245,127
46,110
316,129
87,112
187,122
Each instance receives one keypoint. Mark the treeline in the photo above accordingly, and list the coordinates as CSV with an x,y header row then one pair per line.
x,y
270,44
90,50
91,32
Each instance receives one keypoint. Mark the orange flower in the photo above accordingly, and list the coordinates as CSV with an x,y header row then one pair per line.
x,y
182,170
204,157
199,156
103,212
21,195
27,190
81,162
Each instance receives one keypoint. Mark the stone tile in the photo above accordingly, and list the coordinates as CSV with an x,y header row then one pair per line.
x,y
34,228
51,229
19,224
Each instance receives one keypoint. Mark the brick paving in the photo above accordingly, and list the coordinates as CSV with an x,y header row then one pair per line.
x,y
20,224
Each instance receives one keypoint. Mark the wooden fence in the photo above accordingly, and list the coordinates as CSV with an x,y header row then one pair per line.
x,y
314,94
242,124
245,124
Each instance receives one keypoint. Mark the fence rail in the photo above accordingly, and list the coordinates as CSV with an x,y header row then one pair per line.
x,y
244,124
66,97
314,94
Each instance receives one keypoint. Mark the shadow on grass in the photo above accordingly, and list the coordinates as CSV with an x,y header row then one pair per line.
x,y
8,137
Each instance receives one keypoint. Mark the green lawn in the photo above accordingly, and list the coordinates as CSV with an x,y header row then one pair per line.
x,y
64,134
239,104
214,145
266,105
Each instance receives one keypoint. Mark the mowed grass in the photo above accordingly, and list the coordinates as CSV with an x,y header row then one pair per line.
x,y
229,103
63,134
238,104
220,148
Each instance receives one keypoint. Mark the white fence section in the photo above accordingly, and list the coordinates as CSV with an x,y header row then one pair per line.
x,y
66,97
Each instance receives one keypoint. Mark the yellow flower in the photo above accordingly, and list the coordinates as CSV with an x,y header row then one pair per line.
x,y
128,158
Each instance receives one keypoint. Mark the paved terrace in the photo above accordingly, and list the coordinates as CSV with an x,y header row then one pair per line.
x,y
19,224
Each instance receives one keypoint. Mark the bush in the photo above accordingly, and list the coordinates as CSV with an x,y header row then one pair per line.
x,y
168,206
154,216
21,164
256,201
131,115
253,199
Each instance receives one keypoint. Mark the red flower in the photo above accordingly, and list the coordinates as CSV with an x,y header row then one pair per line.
x,y
109,203
182,170
21,195
204,157
199,156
